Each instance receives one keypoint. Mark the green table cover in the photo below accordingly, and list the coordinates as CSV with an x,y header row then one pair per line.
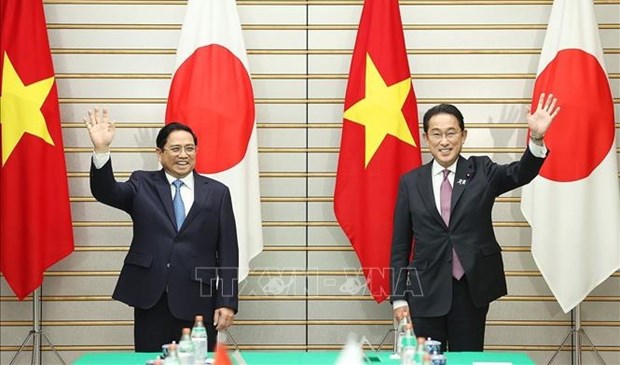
x,y
308,358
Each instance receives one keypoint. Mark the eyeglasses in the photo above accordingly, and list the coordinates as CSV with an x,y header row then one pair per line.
x,y
438,136
176,150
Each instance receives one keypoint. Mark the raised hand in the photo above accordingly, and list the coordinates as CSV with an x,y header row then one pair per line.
x,y
100,129
539,121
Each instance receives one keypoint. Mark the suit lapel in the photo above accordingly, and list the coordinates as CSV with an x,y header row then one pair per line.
x,y
200,196
464,172
165,195
425,187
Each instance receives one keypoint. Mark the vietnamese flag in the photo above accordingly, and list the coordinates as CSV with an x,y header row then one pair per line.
x,y
211,92
35,217
380,140
221,355
573,205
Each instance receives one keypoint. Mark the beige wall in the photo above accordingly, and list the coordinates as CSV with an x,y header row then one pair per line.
x,y
481,55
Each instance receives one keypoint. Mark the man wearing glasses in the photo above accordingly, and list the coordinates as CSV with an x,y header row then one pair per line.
x,y
446,263
183,258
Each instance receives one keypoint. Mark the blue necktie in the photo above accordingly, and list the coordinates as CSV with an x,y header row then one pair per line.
x,y
177,203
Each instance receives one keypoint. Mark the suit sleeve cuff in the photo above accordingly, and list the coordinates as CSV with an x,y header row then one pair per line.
x,y
538,151
100,159
399,304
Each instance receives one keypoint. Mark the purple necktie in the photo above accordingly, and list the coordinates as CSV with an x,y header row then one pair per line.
x,y
445,198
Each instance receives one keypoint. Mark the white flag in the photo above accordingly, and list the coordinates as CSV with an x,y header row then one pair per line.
x,y
211,92
351,353
573,206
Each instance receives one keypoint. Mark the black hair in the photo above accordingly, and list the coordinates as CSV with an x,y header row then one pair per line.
x,y
443,109
163,134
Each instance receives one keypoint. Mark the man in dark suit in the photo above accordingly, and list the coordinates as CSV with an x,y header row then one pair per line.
x,y
443,214
183,258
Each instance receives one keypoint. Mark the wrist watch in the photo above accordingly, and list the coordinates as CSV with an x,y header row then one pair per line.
x,y
536,137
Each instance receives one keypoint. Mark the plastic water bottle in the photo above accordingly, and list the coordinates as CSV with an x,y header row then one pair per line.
x,y
171,357
420,351
186,348
400,331
408,347
199,338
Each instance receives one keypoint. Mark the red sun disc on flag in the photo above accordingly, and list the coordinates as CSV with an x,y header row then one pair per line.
x,y
212,93
583,132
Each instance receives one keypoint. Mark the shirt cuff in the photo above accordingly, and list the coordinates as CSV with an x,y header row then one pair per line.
x,y
100,159
538,151
399,304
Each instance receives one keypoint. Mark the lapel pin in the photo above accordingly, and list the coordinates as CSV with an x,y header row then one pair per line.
x,y
461,181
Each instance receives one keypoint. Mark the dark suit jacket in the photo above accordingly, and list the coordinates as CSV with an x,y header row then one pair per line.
x,y
426,281
186,262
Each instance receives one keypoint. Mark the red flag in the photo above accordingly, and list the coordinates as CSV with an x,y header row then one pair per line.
x,y
573,205
35,218
221,355
380,140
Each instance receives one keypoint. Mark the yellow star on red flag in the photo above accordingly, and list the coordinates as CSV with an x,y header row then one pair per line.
x,y
380,112
379,97
35,214
20,109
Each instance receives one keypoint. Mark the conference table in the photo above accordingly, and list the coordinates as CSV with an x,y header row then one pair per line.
x,y
312,358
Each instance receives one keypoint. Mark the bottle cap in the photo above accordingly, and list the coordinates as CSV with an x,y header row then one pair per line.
x,y
198,318
187,331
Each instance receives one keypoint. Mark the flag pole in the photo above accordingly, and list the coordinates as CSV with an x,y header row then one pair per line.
x,y
36,333
575,334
